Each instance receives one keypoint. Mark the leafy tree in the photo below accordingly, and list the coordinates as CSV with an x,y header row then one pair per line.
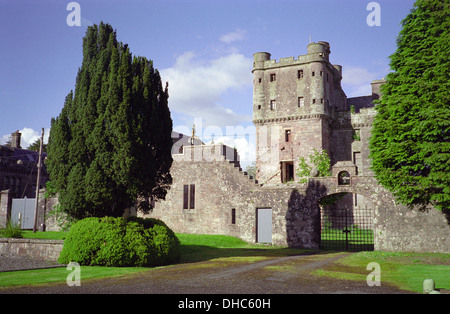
x,y
111,144
251,169
36,146
319,165
410,142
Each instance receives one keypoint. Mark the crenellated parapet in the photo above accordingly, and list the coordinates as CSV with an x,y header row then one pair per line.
x,y
208,153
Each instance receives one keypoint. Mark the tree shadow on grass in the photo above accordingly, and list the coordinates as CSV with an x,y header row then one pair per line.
x,y
200,253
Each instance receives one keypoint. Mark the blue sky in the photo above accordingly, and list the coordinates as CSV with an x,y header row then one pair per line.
x,y
203,48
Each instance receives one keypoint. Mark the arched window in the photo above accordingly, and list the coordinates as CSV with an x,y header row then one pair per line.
x,y
343,178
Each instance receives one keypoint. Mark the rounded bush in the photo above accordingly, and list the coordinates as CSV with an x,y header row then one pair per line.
x,y
165,245
117,242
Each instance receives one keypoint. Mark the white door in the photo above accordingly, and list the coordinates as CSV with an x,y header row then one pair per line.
x,y
25,207
264,225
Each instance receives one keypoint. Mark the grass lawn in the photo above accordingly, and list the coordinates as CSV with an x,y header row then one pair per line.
x,y
48,235
194,248
52,275
402,269
354,240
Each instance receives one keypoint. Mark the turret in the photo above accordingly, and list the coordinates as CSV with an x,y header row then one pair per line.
x,y
259,58
322,48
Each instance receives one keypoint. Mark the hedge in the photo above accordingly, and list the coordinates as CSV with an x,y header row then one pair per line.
x,y
112,241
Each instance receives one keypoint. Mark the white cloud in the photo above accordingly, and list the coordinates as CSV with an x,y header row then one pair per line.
x,y
28,137
4,139
237,35
196,87
356,81
245,147
86,22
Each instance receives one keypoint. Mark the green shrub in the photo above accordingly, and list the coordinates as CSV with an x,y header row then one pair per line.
x,y
117,242
165,246
12,230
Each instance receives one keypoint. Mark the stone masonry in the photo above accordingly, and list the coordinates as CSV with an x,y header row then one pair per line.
x,y
298,106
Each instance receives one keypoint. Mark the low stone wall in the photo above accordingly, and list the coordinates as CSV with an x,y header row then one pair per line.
x,y
33,248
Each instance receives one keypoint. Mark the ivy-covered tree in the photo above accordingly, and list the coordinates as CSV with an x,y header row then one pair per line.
x,y
110,147
410,142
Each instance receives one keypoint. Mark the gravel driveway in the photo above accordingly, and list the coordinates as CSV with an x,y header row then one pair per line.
x,y
282,275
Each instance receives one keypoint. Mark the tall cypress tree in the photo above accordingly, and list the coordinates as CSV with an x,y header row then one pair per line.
x,y
110,147
410,143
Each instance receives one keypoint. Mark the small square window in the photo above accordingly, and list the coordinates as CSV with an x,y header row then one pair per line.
x,y
273,77
301,102
300,74
314,101
287,136
313,73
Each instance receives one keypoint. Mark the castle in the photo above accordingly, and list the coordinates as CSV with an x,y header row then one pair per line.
x,y
298,106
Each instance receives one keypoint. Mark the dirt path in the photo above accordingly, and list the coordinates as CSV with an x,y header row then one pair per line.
x,y
238,275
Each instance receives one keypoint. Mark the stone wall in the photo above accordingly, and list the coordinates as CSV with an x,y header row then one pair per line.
x,y
398,228
5,207
45,206
221,188
32,248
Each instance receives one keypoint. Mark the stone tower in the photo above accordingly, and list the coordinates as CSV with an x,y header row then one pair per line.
x,y
294,102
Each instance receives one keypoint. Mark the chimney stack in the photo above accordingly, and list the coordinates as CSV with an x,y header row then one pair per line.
x,y
15,139
376,85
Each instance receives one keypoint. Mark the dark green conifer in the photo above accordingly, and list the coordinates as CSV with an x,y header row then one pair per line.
x,y
110,147
410,143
